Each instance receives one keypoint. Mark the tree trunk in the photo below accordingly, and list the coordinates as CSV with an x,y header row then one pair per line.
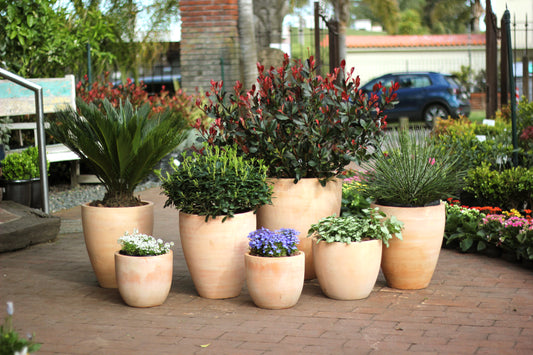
x,y
342,15
248,48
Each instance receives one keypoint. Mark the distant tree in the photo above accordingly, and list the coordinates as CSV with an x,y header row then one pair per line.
x,y
384,12
446,16
34,40
410,23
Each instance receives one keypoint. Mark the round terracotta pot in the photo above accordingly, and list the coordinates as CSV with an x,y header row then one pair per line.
x,y
298,206
409,264
102,226
275,282
214,252
144,281
347,271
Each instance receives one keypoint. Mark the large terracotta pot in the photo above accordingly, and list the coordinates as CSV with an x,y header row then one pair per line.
x,y
144,281
214,252
347,271
102,226
409,264
298,206
275,282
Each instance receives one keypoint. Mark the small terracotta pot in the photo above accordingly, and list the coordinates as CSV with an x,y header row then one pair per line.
x,y
102,226
144,281
298,206
275,282
214,252
409,264
347,271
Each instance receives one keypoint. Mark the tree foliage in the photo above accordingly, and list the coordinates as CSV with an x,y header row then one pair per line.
x,y
419,16
45,38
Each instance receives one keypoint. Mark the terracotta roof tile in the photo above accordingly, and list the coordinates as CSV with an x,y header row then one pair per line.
x,y
415,41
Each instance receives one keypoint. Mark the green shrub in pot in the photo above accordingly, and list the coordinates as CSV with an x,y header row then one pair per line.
x,y
217,182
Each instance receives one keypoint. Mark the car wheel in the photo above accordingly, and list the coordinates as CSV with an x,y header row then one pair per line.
x,y
432,112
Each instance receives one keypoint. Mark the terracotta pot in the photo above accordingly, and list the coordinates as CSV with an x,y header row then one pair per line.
x,y
275,282
347,271
102,226
298,206
409,264
214,252
144,281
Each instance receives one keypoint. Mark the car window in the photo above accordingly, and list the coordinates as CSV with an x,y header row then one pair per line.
x,y
414,81
454,83
386,82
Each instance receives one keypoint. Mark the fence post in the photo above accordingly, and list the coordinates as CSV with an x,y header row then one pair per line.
x,y
507,22
318,61
492,65
504,66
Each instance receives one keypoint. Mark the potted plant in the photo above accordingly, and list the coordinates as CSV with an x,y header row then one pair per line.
x,y
307,128
10,341
18,169
120,145
409,178
347,251
217,193
275,268
143,269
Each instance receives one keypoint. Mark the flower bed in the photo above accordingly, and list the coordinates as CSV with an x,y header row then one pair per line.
x,y
485,228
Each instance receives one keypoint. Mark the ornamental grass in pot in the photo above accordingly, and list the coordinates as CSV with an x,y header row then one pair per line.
x,y
409,178
121,146
348,249
217,193
275,268
307,128
143,269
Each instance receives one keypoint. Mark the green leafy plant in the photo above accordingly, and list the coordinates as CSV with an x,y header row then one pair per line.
x,y
302,124
217,182
138,244
10,341
22,165
353,202
463,227
369,224
509,188
121,145
409,170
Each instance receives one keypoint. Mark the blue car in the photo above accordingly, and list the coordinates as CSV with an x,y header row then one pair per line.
x,y
424,96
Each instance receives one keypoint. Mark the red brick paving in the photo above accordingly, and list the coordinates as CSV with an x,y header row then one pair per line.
x,y
474,305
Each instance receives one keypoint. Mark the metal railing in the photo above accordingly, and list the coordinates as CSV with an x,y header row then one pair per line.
x,y
41,141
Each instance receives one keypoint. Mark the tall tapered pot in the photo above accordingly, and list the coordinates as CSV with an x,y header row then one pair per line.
x,y
409,264
298,206
214,252
102,226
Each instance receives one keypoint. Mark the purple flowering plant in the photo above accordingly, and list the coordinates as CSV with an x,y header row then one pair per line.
x,y
264,242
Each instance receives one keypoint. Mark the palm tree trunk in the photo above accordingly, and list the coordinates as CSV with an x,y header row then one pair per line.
x,y
248,47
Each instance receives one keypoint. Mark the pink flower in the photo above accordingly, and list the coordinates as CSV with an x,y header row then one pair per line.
x,y
432,161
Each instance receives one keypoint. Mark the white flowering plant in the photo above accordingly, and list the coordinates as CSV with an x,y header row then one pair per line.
x,y
10,341
138,244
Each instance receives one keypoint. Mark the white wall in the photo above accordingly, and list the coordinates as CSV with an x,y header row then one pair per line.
x,y
369,64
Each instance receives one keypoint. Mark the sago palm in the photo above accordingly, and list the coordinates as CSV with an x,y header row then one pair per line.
x,y
121,145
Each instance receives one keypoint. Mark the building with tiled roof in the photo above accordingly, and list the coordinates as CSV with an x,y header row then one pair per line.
x,y
374,55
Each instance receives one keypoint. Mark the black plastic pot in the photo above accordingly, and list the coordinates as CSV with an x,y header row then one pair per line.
x,y
18,191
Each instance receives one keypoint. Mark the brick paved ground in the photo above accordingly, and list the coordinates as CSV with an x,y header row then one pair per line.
x,y
474,305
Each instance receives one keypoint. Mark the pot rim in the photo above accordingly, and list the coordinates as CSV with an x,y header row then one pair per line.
x,y
142,256
146,203
298,253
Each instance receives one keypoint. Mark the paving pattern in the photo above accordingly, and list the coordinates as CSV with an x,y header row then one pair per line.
x,y
474,305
